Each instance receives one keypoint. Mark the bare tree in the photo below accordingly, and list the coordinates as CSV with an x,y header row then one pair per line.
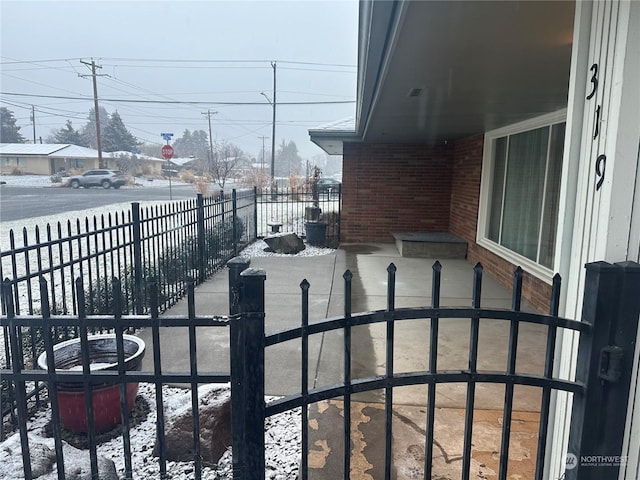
x,y
226,157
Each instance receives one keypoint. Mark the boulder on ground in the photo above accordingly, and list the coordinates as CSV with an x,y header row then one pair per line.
x,y
288,243
215,427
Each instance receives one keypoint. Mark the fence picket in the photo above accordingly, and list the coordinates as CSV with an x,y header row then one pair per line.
x,y
348,277
511,370
53,394
433,366
388,401
304,336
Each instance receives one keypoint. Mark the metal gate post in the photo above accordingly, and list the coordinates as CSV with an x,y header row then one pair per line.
x,y
137,258
605,355
255,213
234,217
247,378
236,266
202,270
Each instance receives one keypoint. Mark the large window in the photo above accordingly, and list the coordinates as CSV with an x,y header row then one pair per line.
x,y
521,191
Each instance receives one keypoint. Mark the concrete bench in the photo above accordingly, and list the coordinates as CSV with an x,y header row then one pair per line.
x,y
434,245
275,226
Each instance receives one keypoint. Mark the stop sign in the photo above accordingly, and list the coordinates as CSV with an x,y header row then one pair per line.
x,y
167,152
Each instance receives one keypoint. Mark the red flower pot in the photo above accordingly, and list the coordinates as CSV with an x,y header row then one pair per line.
x,y
105,397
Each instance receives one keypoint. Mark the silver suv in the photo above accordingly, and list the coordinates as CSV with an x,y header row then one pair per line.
x,y
102,178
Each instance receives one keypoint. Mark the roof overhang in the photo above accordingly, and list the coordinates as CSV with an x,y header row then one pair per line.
x,y
436,71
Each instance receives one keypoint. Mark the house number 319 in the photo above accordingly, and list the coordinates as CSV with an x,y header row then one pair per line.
x,y
601,160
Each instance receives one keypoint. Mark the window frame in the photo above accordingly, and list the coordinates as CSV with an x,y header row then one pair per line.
x,y
486,188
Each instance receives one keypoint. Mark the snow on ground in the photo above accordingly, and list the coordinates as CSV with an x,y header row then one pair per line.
x,y
257,249
282,442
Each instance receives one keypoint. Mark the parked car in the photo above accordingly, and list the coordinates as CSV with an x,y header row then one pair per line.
x,y
328,185
98,178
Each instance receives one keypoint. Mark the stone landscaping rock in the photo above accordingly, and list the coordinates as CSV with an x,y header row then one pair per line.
x,y
288,243
77,465
215,429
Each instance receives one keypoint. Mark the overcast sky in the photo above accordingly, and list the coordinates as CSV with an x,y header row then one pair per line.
x,y
180,51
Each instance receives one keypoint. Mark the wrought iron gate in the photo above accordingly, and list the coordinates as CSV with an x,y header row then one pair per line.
x,y
600,390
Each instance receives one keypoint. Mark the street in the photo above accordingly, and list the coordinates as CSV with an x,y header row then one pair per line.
x,y
17,203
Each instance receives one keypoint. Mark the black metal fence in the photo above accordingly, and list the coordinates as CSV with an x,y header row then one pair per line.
x,y
291,208
169,242
600,389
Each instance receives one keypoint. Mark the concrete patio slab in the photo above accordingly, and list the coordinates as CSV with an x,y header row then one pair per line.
x,y
368,264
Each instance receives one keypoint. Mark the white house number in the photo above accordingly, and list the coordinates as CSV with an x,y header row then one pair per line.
x,y
601,160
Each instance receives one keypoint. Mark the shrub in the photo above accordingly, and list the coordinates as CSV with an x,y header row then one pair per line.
x,y
187,176
202,185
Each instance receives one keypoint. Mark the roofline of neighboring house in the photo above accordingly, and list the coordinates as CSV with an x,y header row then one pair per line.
x,y
61,146
58,151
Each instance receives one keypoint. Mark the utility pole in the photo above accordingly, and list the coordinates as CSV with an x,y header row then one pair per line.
x,y
273,129
273,126
208,113
262,161
33,121
95,108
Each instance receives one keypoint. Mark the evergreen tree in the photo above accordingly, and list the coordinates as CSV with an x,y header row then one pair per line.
x,y
194,144
10,131
182,146
288,161
116,137
89,130
68,134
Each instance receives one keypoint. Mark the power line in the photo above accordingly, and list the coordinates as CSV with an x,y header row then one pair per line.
x,y
177,102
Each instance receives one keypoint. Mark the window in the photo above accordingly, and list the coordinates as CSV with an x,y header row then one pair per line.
x,y
521,192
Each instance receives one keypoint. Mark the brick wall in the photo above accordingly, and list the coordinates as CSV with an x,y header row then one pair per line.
x,y
413,187
394,188
465,198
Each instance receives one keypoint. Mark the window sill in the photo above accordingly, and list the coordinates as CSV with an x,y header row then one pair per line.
x,y
529,266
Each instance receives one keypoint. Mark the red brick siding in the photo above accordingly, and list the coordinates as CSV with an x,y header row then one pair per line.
x,y
414,187
394,188
465,187
465,199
